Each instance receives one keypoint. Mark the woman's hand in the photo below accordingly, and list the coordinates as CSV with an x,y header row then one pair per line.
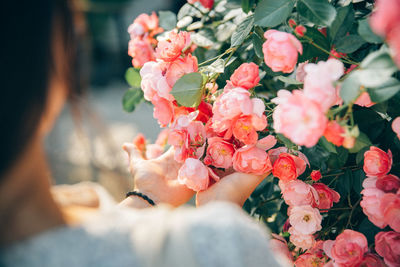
x,y
157,178
235,188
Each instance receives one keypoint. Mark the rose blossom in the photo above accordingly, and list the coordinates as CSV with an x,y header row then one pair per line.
x,y
396,126
348,249
326,196
285,168
318,82
300,72
377,162
154,82
194,174
163,110
315,175
387,245
232,103
386,17
170,49
300,240
300,160
219,153
334,133
143,24
246,76
309,259
371,260
305,220
298,193
180,67
267,142
251,159
390,207
389,183
364,100
140,51
298,118
245,128
371,202
279,245
281,51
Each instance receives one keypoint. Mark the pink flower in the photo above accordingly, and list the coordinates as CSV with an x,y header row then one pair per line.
x,y
386,17
279,246
246,76
301,240
140,51
318,82
154,81
390,207
389,183
281,51
180,67
144,24
315,175
326,196
188,137
371,202
163,110
285,168
298,118
309,259
305,220
251,159
300,72
206,3
372,260
334,133
194,174
170,49
364,100
348,249
300,160
267,142
245,128
140,142
377,162
393,39
298,193
233,103
219,153
387,245
396,126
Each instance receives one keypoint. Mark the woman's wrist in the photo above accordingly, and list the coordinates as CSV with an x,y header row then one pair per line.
x,y
135,202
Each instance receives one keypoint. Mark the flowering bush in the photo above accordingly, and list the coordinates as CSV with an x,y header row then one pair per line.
x,y
305,92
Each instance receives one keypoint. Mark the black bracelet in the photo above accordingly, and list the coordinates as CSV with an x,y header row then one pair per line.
x,y
141,195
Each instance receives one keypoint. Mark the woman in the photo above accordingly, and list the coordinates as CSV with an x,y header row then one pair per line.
x,y
38,78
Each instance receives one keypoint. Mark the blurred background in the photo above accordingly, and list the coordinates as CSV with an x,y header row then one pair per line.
x,y
90,150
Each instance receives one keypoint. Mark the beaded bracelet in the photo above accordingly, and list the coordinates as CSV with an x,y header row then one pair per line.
x,y
141,195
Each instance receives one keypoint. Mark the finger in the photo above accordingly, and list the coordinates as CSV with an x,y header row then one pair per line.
x,y
134,156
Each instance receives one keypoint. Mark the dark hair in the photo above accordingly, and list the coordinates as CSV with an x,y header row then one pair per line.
x,y
27,63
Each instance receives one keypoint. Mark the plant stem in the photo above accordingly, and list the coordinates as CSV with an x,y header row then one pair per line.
x,y
351,212
344,59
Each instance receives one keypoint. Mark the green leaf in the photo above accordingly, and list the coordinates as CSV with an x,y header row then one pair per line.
x,y
327,145
342,23
270,13
385,91
345,183
360,155
359,177
132,77
289,80
349,43
257,44
310,51
376,68
188,89
361,142
217,66
131,99
319,12
364,30
246,5
242,31
167,20
350,88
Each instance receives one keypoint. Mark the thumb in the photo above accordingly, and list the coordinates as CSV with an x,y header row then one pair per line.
x,y
134,155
